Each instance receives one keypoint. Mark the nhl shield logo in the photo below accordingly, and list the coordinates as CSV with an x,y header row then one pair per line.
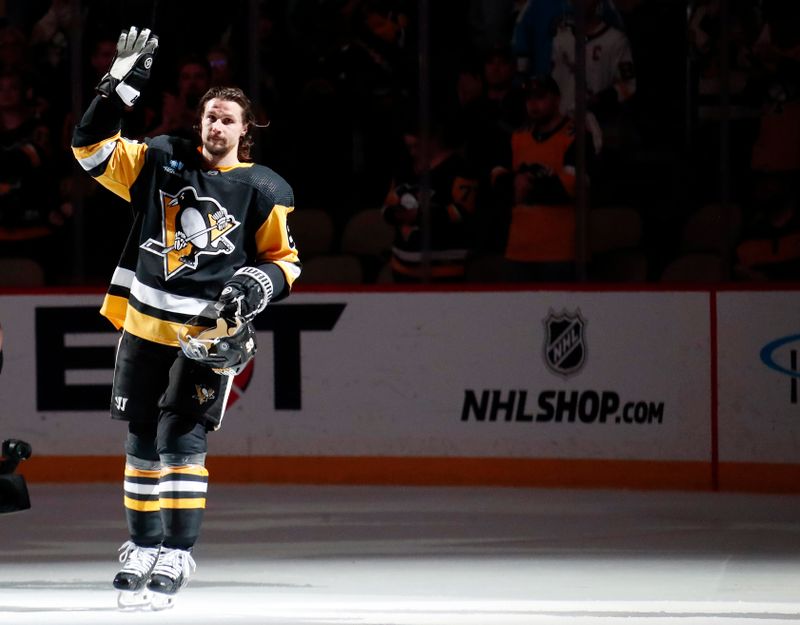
x,y
565,342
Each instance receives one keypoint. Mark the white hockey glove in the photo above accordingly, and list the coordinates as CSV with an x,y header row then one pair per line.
x,y
130,69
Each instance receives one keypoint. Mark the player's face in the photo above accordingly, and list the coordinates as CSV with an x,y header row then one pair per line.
x,y
221,128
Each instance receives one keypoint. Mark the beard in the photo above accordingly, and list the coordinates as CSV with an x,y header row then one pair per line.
x,y
217,147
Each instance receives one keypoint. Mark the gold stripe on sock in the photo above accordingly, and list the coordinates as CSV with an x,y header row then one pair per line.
x,y
142,506
182,504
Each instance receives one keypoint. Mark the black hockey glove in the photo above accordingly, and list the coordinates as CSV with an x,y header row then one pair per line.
x,y
245,295
130,69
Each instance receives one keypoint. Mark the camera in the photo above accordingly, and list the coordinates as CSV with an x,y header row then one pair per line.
x,y
14,452
13,490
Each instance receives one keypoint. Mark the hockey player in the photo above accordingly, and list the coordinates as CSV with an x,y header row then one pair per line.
x,y
210,232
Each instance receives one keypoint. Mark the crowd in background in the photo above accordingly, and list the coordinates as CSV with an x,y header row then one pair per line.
x,y
691,151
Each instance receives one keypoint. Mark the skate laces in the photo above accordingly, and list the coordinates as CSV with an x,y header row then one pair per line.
x,y
175,563
138,560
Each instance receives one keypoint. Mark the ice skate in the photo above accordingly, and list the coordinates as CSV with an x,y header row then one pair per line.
x,y
131,581
170,574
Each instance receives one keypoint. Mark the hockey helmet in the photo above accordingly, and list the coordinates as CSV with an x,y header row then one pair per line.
x,y
224,345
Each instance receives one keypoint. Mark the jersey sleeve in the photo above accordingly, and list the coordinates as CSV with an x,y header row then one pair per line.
x,y
276,251
102,151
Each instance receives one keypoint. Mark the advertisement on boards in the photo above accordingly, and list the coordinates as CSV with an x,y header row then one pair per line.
x,y
516,374
759,371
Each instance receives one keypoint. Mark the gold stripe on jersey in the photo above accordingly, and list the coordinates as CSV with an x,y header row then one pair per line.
x,y
152,328
142,506
115,308
123,160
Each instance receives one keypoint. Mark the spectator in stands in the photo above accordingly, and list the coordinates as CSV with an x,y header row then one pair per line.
x,y
491,22
777,146
488,104
179,106
540,180
49,52
532,37
13,50
17,57
536,25
505,98
220,62
742,95
770,244
610,76
30,209
374,76
485,137
451,202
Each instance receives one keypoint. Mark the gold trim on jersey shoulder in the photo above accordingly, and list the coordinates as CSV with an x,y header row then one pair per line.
x,y
232,167
124,161
87,155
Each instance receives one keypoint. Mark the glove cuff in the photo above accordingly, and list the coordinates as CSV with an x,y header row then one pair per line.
x,y
263,281
107,85
127,94
111,88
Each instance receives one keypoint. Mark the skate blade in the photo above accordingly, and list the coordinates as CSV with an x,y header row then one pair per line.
x,y
130,600
161,601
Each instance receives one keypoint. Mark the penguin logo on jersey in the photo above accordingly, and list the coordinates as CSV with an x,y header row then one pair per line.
x,y
192,226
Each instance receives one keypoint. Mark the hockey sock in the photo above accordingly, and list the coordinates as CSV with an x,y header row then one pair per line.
x,y
182,497
142,510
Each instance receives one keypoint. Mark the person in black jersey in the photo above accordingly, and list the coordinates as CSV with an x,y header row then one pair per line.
x,y
210,233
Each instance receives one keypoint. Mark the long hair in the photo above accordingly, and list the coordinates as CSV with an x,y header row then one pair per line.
x,y
233,94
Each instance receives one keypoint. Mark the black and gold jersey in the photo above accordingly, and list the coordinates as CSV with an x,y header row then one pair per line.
x,y
452,205
194,227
